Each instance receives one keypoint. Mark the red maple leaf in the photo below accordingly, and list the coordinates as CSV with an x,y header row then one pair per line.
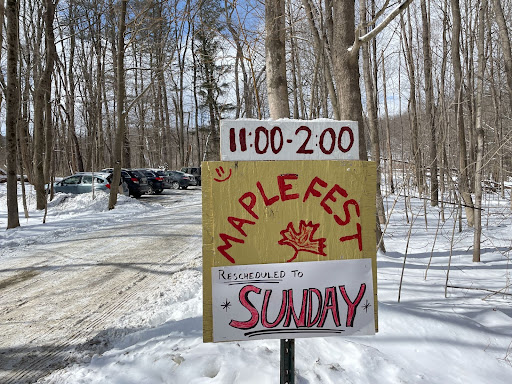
x,y
302,240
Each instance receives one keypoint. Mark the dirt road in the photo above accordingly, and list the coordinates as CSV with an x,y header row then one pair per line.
x,y
58,298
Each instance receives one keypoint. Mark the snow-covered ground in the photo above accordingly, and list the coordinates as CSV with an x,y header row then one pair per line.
x,y
465,337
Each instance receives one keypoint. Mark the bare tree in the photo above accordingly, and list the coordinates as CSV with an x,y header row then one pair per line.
x,y
479,130
13,111
121,113
42,121
459,113
389,152
275,54
505,44
371,106
345,52
321,51
407,41
429,103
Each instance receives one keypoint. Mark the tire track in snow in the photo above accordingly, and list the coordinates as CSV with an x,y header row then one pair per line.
x,y
82,291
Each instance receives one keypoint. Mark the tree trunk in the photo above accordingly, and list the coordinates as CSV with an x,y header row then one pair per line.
x,y
70,99
121,115
371,106
346,68
505,44
388,133
413,109
459,114
41,97
275,58
429,104
12,111
479,131
319,45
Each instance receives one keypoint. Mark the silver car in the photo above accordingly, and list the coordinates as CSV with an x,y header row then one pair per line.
x,y
83,182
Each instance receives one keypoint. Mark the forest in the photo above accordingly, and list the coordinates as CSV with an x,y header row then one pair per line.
x,y
144,83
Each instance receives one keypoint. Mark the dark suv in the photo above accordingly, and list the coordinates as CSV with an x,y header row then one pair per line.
x,y
181,180
194,171
155,181
167,182
136,181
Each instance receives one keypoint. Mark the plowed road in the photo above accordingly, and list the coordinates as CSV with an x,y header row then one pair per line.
x,y
57,298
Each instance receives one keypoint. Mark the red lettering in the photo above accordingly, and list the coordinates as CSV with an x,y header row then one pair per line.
x,y
283,186
250,205
356,236
266,200
352,306
239,223
330,303
311,189
330,196
243,296
264,309
301,320
318,294
346,206
223,248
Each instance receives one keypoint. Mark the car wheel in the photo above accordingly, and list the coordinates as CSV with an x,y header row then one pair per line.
x,y
151,191
158,191
175,185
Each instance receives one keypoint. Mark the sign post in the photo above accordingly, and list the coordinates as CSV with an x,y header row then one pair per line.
x,y
288,246
287,364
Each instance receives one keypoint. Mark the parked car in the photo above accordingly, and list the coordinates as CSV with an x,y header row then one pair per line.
x,y
3,176
181,179
194,171
166,179
84,182
136,181
155,181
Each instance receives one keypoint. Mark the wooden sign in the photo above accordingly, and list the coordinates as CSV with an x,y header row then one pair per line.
x,y
292,300
266,212
285,139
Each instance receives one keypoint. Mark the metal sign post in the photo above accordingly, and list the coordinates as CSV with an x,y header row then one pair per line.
x,y
287,361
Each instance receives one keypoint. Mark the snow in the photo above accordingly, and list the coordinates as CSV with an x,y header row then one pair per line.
x,y
465,337
67,215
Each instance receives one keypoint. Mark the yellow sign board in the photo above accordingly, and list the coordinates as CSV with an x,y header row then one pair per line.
x,y
261,212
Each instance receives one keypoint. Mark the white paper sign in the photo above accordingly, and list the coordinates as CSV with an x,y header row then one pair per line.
x,y
250,139
293,300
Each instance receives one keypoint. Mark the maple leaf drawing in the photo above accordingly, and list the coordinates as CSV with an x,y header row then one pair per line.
x,y
302,240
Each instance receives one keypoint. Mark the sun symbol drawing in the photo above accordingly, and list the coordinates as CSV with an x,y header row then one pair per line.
x,y
303,239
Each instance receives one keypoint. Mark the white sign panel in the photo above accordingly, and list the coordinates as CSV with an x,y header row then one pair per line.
x,y
293,300
285,139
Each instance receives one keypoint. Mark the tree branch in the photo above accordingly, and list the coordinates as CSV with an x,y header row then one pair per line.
x,y
138,97
370,35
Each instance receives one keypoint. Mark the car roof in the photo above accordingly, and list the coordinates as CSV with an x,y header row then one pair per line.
x,y
102,174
